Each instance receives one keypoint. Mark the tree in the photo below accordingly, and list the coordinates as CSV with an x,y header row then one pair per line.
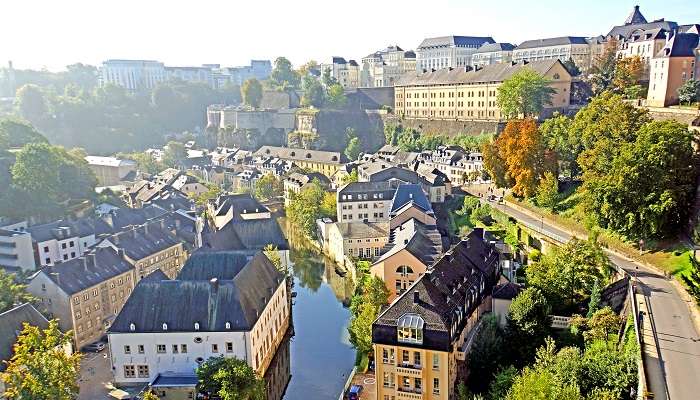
x,y
305,207
252,92
548,191
351,177
40,369
502,381
689,91
328,205
230,378
175,154
557,136
527,324
328,79
571,67
336,96
12,293
603,68
495,165
360,328
628,72
273,254
541,384
283,75
642,188
144,161
353,149
16,133
268,187
31,103
525,93
370,295
486,356
594,301
314,94
149,395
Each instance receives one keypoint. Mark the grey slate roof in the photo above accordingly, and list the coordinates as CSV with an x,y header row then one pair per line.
x,y
556,41
244,235
410,193
81,227
491,47
387,190
144,240
422,241
95,267
489,73
635,17
452,284
625,31
203,266
459,41
506,291
11,325
239,203
680,45
182,303
361,230
290,153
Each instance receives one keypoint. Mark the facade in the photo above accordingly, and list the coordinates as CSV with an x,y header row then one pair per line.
x,y
365,201
386,66
16,250
86,293
459,165
457,94
189,185
235,207
324,162
362,240
377,170
559,48
677,62
238,308
347,73
419,339
111,171
296,181
492,53
62,241
133,75
448,51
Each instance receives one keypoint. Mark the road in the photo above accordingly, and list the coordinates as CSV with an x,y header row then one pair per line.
x,y
678,340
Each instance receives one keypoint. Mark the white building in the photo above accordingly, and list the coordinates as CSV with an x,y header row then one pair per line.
x,y
365,201
111,171
448,51
236,308
492,53
459,165
62,240
133,75
347,73
562,48
384,67
16,250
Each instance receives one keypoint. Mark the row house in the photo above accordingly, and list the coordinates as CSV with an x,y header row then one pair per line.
x,y
562,48
460,166
435,185
324,162
62,240
365,201
492,53
386,66
676,63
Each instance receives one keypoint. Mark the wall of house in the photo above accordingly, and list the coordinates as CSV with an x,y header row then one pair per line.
x,y
667,74
16,250
395,281
354,211
59,250
393,373
407,214
269,330
53,300
170,261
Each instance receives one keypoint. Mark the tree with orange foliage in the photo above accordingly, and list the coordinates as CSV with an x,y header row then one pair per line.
x,y
518,157
628,73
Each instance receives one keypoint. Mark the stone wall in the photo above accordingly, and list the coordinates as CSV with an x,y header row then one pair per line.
x,y
684,116
331,126
444,127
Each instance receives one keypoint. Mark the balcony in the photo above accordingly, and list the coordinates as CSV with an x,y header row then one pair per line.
x,y
409,370
407,393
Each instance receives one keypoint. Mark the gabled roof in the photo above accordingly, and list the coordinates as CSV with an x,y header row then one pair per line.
x,y
556,41
625,31
422,241
410,193
458,41
290,153
144,240
212,304
680,45
203,266
386,188
238,203
491,47
252,234
11,324
363,230
63,229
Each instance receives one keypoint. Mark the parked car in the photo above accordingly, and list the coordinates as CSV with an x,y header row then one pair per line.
x,y
354,392
95,347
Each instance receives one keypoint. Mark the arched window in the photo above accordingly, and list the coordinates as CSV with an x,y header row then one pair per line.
x,y
196,326
404,270
132,327
228,325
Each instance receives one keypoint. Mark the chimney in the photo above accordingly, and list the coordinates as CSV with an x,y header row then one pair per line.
x,y
162,224
86,264
214,283
115,239
177,223
121,253
416,297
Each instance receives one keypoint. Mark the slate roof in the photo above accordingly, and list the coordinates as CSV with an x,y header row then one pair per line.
x,y
680,45
290,153
175,380
93,268
203,266
108,161
458,41
81,227
422,241
182,303
625,31
491,47
556,41
387,189
252,234
506,291
361,230
458,281
302,178
142,241
489,73
237,202
410,193
635,17
11,325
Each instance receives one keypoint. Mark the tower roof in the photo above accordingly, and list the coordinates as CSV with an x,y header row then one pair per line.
x,y
635,17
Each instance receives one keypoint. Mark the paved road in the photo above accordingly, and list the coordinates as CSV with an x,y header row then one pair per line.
x,y
678,340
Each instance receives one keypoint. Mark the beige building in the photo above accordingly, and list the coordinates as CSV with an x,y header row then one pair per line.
x,y
85,293
676,63
563,48
457,94
356,240
492,53
365,201
297,181
325,162
386,66
111,171
422,336
347,73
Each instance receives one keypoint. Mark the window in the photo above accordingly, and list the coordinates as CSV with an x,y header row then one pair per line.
x,y
404,270
46,249
63,245
214,348
416,358
160,348
183,348
404,356
229,347
436,361
127,349
174,349
129,371
410,329
141,349
143,371
436,385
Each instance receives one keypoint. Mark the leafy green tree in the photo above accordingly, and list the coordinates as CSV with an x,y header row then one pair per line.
x,y
487,354
352,177
32,104
230,378
541,384
12,293
557,135
594,301
689,91
502,381
314,94
692,278
17,133
360,328
482,213
175,154
144,161
527,324
603,69
353,149
212,193
305,208
526,93
628,73
370,295
40,369
268,187
272,253
571,67
283,75
328,79
252,92
548,191
149,395
336,96
645,189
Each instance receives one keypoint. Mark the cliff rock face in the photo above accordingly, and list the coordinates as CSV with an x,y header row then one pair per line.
x,y
443,127
329,129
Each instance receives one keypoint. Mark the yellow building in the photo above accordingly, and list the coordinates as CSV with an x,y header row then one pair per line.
x,y
422,336
324,162
457,94
676,63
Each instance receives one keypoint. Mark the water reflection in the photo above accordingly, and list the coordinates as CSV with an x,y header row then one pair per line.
x,y
279,372
321,356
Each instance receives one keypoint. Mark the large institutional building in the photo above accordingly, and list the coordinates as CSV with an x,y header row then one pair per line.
x,y
448,51
462,94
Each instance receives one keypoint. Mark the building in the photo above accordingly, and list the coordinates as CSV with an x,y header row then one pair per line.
x,y
448,51
62,240
413,247
111,171
297,181
189,185
258,69
561,48
133,75
386,66
347,73
86,293
365,201
458,94
419,339
378,170
203,74
16,250
492,53
325,162
676,63
235,207
356,240
236,308
459,165
149,247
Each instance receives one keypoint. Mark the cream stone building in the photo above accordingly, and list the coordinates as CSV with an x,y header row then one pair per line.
x,y
347,73
422,336
365,201
356,240
676,63
111,171
492,53
325,162
563,48
85,294
386,66
448,51
457,94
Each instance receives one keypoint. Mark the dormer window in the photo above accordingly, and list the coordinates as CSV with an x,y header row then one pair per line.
x,y
294,153
228,325
132,327
308,155
196,326
165,326
410,329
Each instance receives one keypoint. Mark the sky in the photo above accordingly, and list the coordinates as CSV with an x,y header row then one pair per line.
x,y
52,34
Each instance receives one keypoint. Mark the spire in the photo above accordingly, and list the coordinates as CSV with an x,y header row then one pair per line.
x,y
635,17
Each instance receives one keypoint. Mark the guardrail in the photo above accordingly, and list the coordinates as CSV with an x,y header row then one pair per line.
x,y
642,386
347,383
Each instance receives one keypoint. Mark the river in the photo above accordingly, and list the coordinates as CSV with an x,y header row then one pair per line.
x,y
321,355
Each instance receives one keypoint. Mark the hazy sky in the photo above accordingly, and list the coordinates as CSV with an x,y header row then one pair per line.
x,y
53,33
